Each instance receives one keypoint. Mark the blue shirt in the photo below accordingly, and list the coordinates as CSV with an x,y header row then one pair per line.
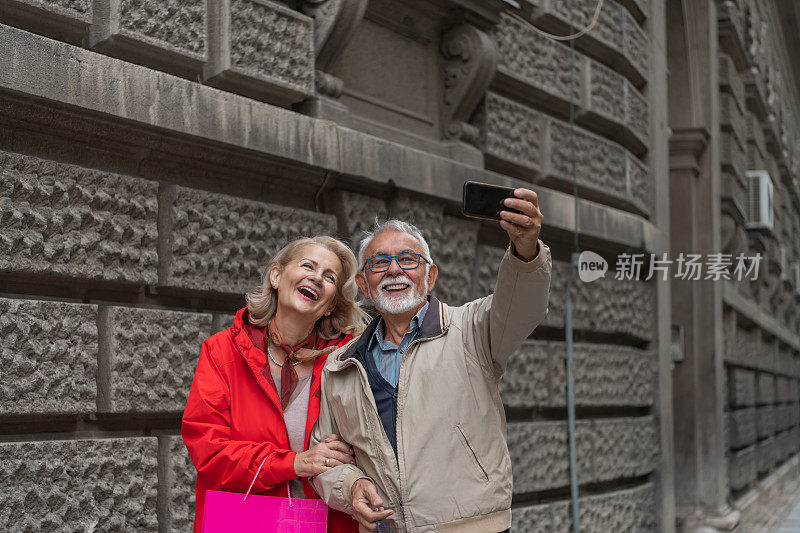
x,y
387,355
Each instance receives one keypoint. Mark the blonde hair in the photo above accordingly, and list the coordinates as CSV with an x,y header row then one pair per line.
x,y
347,316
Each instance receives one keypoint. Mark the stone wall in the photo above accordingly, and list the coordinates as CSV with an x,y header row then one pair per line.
x,y
153,156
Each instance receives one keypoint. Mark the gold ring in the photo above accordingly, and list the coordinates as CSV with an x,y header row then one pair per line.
x,y
327,461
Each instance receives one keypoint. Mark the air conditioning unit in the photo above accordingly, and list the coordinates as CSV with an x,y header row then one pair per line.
x,y
760,205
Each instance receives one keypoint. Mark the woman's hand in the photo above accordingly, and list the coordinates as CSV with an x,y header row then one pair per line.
x,y
327,454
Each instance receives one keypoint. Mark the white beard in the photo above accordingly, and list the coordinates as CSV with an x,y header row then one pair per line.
x,y
397,305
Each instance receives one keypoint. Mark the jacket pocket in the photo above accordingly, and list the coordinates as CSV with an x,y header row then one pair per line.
x,y
476,460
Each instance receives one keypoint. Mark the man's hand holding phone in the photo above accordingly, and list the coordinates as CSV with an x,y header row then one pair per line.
x,y
516,209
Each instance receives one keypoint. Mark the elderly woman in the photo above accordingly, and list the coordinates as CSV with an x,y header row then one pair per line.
x,y
255,395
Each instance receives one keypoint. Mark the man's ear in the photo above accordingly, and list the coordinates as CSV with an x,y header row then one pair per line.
x,y
433,273
361,281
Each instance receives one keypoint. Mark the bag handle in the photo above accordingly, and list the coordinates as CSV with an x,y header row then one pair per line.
x,y
288,490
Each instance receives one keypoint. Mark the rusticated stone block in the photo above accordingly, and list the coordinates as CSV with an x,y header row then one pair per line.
x,y
606,94
529,373
214,242
48,356
602,166
177,476
743,347
742,428
64,220
782,417
637,113
637,179
165,34
730,81
731,118
456,252
755,135
533,519
221,321
742,468
148,357
765,421
625,510
733,190
86,485
765,388
741,387
624,447
65,20
604,375
512,133
612,97
624,307
782,389
261,49
425,213
765,455
539,455
610,375
355,213
731,155
635,45
783,446
792,414
794,439
529,59
488,260
607,449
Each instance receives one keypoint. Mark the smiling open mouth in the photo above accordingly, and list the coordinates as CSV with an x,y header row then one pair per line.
x,y
396,287
309,293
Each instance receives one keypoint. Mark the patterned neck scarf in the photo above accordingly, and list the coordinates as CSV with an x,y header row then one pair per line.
x,y
289,377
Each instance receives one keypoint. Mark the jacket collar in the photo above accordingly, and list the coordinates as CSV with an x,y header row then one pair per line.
x,y
434,324
256,359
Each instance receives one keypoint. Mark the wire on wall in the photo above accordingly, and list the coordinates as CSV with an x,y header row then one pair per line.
x,y
581,33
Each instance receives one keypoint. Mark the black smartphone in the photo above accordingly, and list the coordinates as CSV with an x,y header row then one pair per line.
x,y
485,201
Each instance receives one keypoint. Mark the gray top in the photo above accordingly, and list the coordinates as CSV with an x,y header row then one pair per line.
x,y
295,416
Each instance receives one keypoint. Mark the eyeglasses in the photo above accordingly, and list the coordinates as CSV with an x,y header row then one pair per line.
x,y
381,263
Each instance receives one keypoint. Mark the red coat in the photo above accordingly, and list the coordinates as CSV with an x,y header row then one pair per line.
x,y
233,419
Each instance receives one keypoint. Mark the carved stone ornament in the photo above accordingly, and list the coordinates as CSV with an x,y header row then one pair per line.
x,y
470,61
335,22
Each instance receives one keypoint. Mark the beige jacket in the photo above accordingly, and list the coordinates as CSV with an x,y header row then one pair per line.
x,y
452,471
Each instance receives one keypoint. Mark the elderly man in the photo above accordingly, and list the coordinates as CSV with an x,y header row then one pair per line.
x,y
417,393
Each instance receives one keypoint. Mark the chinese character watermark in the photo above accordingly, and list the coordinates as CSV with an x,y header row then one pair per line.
x,y
687,267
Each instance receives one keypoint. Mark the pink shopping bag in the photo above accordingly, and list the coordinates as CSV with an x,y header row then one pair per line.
x,y
229,512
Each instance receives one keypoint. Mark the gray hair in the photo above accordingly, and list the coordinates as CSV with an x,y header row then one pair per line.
x,y
392,225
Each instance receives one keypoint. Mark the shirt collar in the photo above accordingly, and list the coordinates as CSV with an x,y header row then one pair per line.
x,y
416,322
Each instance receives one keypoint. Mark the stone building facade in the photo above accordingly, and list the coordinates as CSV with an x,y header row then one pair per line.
x,y
153,155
